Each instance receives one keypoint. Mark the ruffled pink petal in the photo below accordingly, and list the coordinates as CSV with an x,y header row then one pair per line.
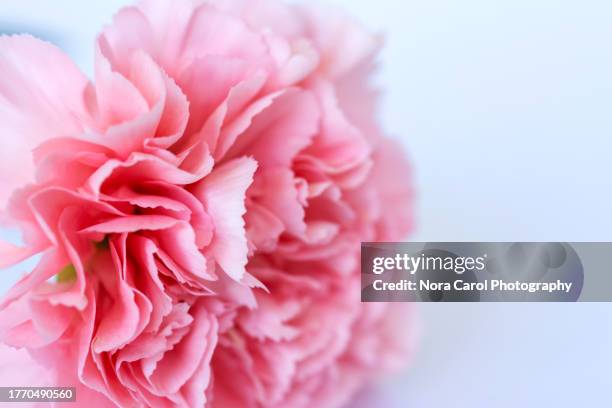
x,y
179,242
12,254
139,168
238,40
270,319
342,42
166,29
51,263
235,114
120,322
263,228
223,193
133,223
275,190
112,86
280,131
42,95
220,74
339,146
177,367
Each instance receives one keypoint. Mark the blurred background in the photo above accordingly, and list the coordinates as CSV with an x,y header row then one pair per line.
x,y
505,109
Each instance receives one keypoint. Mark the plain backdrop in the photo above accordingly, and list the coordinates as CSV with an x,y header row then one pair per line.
x,y
505,109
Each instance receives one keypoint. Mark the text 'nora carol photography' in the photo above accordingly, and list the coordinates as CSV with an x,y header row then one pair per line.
x,y
485,272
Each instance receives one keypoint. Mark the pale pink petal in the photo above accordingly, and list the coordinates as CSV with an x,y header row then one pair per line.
x,y
143,251
238,40
270,319
263,227
342,42
339,146
133,223
280,131
42,95
112,86
176,368
234,115
220,74
139,168
11,254
51,263
179,242
120,322
223,193
275,190
168,24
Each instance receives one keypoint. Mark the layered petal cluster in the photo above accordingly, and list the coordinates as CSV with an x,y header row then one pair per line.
x,y
198,207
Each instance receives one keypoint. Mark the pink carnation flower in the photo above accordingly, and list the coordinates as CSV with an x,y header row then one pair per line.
x,y
199,206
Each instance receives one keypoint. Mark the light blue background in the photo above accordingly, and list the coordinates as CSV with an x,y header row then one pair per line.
x,y
505,108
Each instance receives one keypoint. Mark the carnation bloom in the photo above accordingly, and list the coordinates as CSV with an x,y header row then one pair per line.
x,y
198,207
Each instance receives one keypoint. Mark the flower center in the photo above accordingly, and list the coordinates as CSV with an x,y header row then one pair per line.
x,y
68,274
